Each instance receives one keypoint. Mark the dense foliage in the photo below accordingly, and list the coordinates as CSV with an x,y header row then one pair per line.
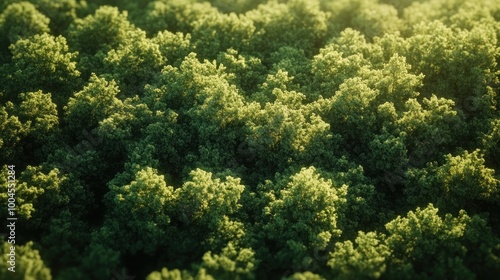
x,y
252,139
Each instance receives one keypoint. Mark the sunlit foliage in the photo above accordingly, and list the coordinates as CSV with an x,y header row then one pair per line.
x,y
251,139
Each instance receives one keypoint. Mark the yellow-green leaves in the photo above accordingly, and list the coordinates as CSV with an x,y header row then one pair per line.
x,y
145,203
103,31
302,215
92,104
28,263
39,113
424,243
20,21
206,200
44,62
365,260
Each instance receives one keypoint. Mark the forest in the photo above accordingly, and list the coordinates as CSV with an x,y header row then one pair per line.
x,y
249,139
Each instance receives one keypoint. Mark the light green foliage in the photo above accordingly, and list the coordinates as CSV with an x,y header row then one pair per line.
x,y
162,135
95,35
465,14
176,274
92,104
61,12
365,260
237,6
247,70
301,216
337,62
205,200
205,212
125,122
11,131
202,96
204,84
174,16
28,263
145,199
18,21
44,62
38,113
465,177
387,153
375,20
275,89
361,196
305,276
106,29
253,139
395,82
173,46
367,16
294,62
218,32
461,178
39,125
231,263
430,128
424,244
491,143
134,62
298,23
40,193
457,63
351,112
166,274
285,130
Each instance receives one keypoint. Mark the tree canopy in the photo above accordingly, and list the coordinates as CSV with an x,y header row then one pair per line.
x,y
251,139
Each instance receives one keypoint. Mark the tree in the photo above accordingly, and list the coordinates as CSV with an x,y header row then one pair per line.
x,y
173,46
38,112
204,201
106,29
95,35
43,62
206,104
216,33
231,263
65,240
174,16
94,103
146,198
39,116
28,263
336,63
20,21
462,182
490,144
252,139
301,217
367,16
430,128
11,132
134,63
425,245
238,6
298,23
42,194
439,52
366,260
352,114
